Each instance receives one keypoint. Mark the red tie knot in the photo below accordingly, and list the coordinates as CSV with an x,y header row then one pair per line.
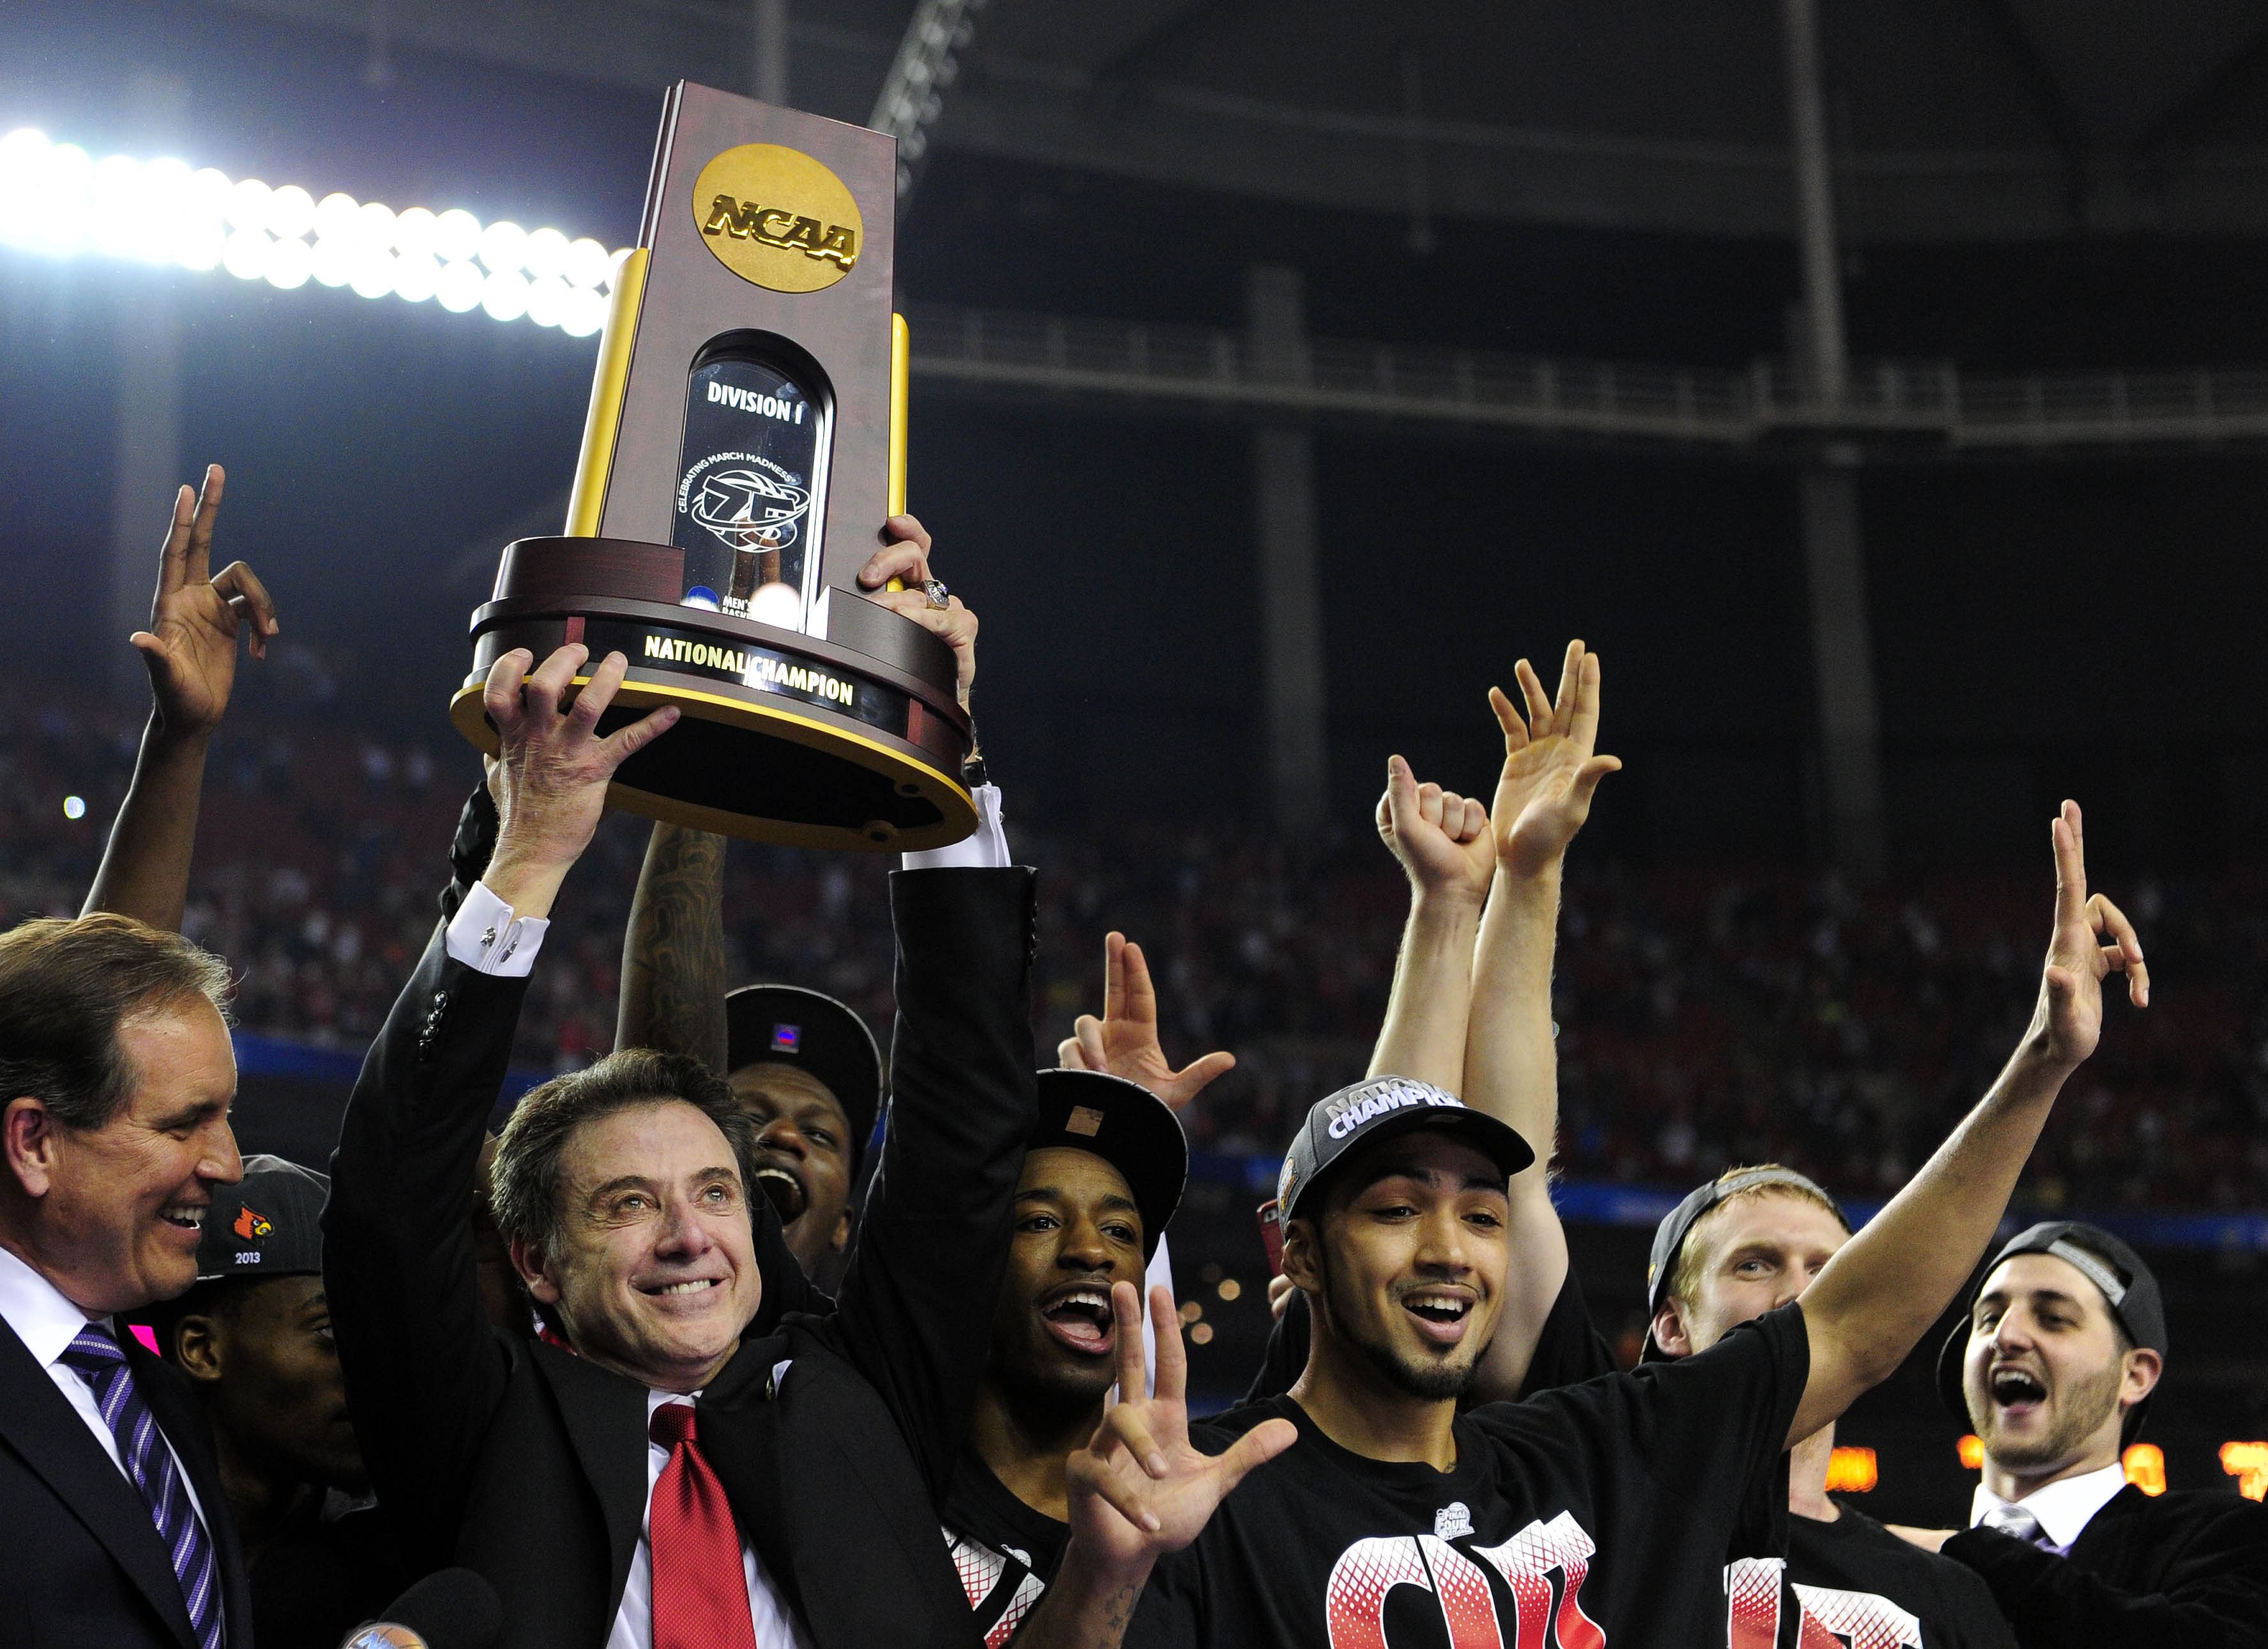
x,y
673,1424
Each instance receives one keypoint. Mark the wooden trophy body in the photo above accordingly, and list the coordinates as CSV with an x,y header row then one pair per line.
x,y
745,443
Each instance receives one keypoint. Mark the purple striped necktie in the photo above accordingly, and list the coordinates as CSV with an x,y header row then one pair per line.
x,y
97,1360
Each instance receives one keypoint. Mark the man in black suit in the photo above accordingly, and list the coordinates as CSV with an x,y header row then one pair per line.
x,y
589,1474
115,1079
2055,1367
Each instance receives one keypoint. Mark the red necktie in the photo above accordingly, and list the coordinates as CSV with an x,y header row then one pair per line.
x,y
700,1590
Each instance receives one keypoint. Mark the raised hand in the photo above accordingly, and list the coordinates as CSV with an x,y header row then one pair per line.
x,y
2068,1021
1140,1488
190,646
1125,1041
552,768
906,558
1550,768
1442,838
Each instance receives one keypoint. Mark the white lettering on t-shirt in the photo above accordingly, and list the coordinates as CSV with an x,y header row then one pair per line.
x,y
1862,1619
1354,1605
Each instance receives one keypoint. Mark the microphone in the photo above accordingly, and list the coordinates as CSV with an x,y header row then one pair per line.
x,y
450,1608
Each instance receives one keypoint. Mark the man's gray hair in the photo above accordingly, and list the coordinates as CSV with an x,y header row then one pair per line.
x,y
67,987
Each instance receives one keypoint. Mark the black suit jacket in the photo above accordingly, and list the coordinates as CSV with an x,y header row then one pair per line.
x,y
84,1561
2186,1570
835,1435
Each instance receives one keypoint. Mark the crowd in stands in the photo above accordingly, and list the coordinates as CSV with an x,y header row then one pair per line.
x,y
1706,1017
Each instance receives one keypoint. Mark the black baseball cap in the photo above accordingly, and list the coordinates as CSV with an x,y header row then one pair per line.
x,y
1130,1128
787,1024
2127,1285
268,1224
1677,1224
1382,1108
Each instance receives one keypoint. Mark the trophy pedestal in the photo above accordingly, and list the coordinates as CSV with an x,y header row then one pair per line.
x,y
852,740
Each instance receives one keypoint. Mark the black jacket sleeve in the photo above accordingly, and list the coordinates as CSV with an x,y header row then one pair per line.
x,y
424,1370
915,1310
2209,1589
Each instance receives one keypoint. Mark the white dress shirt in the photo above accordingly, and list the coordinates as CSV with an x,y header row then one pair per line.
x,y
2062,1508
488,938
47,1322
776,1625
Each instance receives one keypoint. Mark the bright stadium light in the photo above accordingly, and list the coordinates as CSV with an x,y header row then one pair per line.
x,y
58,200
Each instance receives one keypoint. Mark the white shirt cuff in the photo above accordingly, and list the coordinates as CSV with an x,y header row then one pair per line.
x,y
486,937
985,850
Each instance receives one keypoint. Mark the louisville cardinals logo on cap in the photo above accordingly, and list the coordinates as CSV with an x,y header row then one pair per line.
x,y
249,1225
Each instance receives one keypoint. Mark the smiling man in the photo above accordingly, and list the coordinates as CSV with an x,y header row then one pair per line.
x,y
253,1338
1746,1243
2055,1367
1102,1175
684,1458
1363,1505
116,1074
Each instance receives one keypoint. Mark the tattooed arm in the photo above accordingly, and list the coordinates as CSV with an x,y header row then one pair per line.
x,y
673,953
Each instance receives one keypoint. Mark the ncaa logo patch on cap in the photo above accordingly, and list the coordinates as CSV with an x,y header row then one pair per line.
x,y
249,1225
787,1039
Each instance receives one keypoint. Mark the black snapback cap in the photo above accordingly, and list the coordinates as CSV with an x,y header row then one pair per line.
x,y
2128,1286
268,1224
1380,1108
1130,1128
787,1024
1677,1224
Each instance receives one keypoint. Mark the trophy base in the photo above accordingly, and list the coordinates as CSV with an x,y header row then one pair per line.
x,y
783,737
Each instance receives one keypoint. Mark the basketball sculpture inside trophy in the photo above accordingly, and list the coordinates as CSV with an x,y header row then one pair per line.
x,y
745,442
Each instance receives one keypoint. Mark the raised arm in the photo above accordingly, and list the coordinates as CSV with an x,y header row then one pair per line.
x,y
423,1368
1551,771
1441,841
673,950
1884,1287
191,651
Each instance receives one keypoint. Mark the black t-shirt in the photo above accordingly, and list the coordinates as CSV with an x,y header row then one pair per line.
x,y
1006,1552
321,1577
1594,1516
1853,1581
1568,1349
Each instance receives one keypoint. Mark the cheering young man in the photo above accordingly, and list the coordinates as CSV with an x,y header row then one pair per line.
x,y
1746,1243
2055,1367
1102,1173
1598,1515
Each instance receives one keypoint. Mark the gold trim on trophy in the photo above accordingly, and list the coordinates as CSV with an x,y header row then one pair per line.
x,y
596,460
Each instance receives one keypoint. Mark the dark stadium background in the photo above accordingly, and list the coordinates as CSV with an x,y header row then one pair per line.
x,y
2084,627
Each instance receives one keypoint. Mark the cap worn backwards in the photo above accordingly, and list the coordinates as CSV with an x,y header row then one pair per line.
x,y
2128,1286
1129,1127
268,1224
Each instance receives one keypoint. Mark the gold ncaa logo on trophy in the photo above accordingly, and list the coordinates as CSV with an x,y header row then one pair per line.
x,y
746,443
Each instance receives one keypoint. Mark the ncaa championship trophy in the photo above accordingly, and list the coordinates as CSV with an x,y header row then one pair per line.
x,y
745,442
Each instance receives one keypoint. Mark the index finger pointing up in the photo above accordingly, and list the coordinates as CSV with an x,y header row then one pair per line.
x,y
2071,865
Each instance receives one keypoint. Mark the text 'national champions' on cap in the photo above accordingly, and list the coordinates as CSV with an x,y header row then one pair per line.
x,y
1380,1108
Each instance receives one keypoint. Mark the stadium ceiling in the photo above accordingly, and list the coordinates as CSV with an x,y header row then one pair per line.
x,y
1950,119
